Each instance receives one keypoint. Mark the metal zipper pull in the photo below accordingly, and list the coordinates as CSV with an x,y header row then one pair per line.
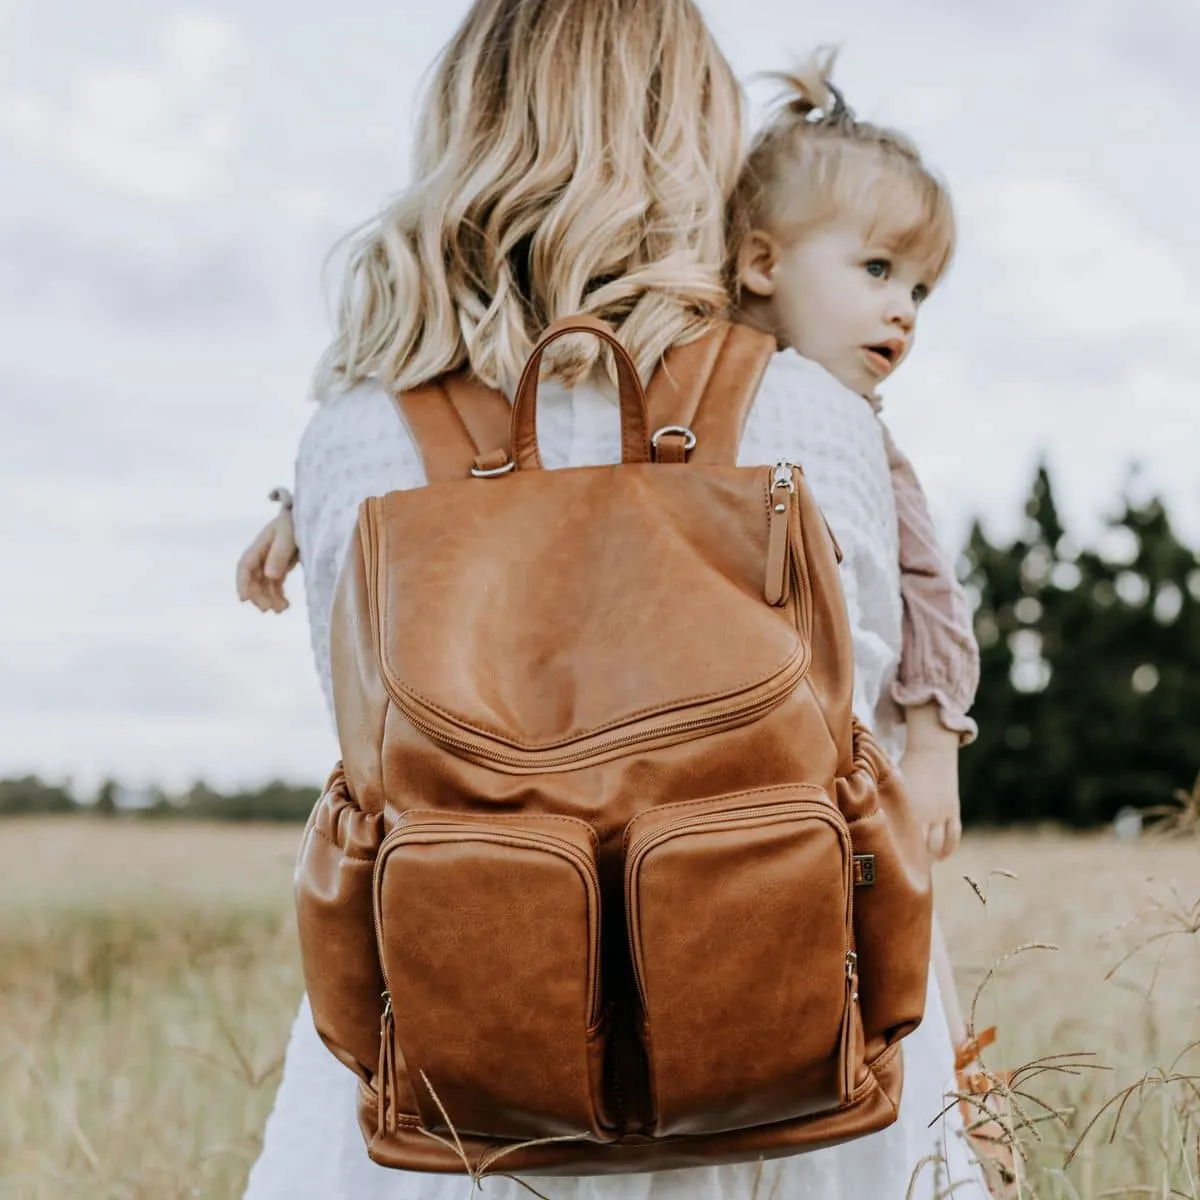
x,y
385,1082
781,475
850,1047
779,575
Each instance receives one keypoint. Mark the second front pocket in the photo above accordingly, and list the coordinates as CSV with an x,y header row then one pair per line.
x,y
739,924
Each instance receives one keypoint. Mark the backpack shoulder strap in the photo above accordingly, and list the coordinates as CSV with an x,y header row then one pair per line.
x,y
455,419
708,386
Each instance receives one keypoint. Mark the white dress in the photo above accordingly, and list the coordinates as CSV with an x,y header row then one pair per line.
x,y
355,446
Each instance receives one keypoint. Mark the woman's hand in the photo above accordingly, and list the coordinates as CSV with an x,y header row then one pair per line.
x,y
929,769
267,560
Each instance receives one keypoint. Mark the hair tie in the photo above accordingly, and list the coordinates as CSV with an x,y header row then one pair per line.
x,y
840,112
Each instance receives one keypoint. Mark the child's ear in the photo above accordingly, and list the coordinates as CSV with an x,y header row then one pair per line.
x,y
757,259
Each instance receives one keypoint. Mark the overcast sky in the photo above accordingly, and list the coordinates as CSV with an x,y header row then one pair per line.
x,y
171,179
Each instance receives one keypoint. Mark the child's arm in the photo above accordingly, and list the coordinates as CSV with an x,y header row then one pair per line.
x,y
267,560
939,663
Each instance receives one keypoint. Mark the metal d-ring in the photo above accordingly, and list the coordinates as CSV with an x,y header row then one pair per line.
x,y
492,472
689,438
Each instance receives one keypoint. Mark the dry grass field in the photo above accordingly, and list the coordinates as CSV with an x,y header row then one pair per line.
x,y
148,978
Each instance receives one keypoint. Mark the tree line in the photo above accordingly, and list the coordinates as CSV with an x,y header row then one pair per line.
x,y
274,801
1089,698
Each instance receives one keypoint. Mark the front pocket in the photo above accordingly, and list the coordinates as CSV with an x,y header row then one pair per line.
x,y
489,935
738,915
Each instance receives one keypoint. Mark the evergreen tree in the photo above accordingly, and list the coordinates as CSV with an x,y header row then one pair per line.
x,y
1090,667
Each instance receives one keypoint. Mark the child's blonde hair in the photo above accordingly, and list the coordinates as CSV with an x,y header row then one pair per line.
x,y
806,170
572,156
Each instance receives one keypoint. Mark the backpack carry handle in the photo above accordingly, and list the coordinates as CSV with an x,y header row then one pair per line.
x,y
635,422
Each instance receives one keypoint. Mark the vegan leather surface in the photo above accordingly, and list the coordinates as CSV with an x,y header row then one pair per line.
x,y
586,868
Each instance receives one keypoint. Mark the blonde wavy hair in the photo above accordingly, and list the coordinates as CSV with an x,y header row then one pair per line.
x,y
814,161
571,156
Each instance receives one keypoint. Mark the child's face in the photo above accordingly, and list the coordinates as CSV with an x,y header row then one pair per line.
x,y
838,299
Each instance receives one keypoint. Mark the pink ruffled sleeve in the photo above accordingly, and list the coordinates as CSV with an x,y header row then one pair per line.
x,y
939,661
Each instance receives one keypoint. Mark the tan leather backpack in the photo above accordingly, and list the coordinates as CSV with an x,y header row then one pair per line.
x,y
607,859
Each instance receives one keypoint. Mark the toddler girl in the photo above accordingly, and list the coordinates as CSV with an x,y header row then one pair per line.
x,y
839,235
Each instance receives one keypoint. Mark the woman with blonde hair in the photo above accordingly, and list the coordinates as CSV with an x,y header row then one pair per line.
x,y
578,156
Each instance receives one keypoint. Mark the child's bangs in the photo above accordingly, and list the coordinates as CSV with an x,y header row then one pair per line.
x,y
906,211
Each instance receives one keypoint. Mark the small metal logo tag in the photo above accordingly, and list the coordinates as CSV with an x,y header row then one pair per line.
x,y
864,870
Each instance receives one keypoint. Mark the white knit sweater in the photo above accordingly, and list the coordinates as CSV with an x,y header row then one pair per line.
x,y
356,445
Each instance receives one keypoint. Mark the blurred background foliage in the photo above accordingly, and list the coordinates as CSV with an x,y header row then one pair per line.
x,y
1089,700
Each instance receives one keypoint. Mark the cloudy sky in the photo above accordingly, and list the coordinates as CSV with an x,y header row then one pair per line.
x,y
173,177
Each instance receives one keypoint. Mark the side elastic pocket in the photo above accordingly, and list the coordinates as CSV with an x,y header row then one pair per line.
x,y
489,935
336,931
738,913
893,902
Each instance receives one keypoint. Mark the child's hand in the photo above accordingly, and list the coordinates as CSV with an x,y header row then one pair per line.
x,y
930,772
266,562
